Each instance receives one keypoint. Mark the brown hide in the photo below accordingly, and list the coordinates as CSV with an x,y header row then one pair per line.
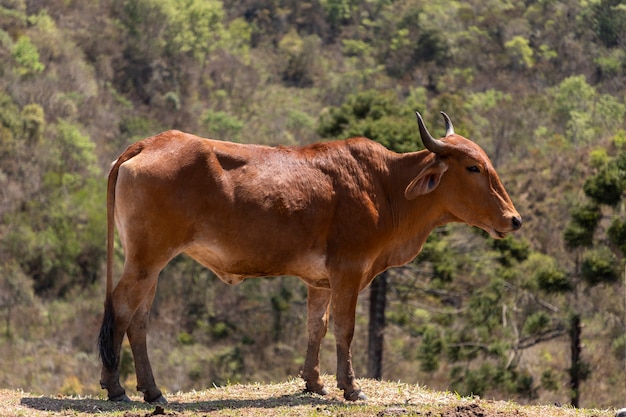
x,y
334,214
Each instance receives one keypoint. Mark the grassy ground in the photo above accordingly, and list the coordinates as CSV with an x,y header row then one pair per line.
x,y
287,399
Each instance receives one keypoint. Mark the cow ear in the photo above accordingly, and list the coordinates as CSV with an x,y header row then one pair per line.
x,y
426,181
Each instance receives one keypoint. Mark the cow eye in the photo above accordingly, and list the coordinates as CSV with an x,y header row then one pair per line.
x,y
473,168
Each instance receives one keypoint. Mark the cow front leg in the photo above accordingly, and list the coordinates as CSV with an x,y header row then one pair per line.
x,y
344,309
137,337
318,300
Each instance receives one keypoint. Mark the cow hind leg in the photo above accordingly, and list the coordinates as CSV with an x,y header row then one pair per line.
x,y
318,301
120,309
109,355
137,337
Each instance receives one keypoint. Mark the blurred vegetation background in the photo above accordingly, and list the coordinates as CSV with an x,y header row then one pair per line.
x,y
540,84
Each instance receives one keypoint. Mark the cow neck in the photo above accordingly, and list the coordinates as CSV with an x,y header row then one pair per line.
x,y
413,220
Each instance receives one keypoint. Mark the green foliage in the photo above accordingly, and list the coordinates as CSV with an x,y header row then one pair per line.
x,y
512,249
520,52
486,305
299,121
73,152
617,233
140,19
300,60
220,330
16,290
611,64
429,349
618,346
599,266
137,127
127,363
609,113
338,12
14,12
10,120
547,275
374,115
34,122
479,381
185,338
606,186
585,113
586,215
280,305
598,157
221,125
57,236
549,380
26,57
438,252
195,27
573,97
355,47
607,19
237,38
579,232
536,323
484,102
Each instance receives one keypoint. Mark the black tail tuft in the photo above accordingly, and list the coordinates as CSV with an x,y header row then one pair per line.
x,y
105,340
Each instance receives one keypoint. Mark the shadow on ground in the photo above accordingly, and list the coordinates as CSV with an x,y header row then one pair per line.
x,y
95,406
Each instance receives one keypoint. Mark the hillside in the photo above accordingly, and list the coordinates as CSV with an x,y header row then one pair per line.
x,y
540,85
387,399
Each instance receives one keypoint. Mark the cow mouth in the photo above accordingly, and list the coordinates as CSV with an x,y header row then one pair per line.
x,y
496,234
493,232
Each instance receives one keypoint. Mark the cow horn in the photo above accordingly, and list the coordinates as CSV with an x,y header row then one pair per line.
x,y
449,127
430,143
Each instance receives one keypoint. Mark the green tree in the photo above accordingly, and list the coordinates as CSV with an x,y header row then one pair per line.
x,y
34,123
26,57
194,27
599,250
607,19
583,112
221,125
520,52
378,116
338,12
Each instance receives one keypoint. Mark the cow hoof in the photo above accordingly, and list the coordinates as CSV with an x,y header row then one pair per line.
x,y
158,400
355,396
122,398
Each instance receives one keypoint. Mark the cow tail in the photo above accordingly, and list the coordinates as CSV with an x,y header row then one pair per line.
x,y
107,330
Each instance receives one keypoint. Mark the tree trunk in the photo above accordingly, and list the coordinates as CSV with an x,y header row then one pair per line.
x,y
378,301
576,371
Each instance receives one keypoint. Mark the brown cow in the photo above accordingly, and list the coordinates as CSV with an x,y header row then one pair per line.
x,y
335,214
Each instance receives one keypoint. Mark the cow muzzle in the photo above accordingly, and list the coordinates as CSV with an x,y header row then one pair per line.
x,y
514,224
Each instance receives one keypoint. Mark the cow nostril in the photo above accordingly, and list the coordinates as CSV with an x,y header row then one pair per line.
x,y
517,222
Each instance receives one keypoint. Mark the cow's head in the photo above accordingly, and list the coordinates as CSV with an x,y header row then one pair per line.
x,y
466,182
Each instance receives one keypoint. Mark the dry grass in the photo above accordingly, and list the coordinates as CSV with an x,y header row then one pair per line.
x,y
287,399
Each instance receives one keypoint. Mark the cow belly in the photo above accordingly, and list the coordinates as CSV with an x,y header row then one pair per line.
x,y
311,267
